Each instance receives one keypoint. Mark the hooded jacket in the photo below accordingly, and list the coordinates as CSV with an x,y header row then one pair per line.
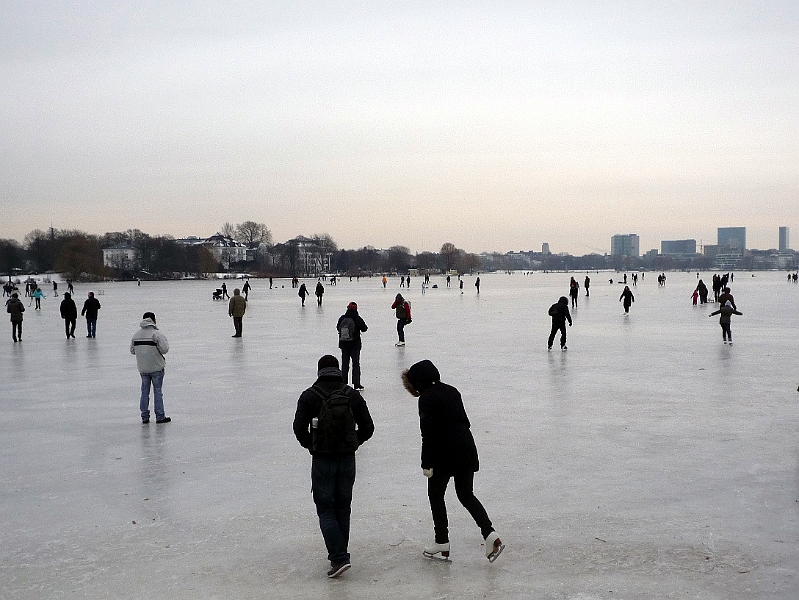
x,y
149,345
309,404
447,442
560,311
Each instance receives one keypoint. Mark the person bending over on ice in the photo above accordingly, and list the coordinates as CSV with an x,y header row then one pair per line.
x,y
560,314
448,452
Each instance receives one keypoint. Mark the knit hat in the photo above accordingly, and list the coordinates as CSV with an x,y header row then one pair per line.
x,y
353,306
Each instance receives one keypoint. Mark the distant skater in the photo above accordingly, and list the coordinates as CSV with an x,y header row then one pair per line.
x,y
447,280
70,287
69,312
149,345
560,314
320,290
55,289
726,312
477,284
701,288
627,298
38,294
90,308
448,452
246,289
695,297
403,313
586,285
574,290
302,293
224,291
385,281
15,308
460,283
236,309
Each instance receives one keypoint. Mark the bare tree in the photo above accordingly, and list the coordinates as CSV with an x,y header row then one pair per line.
x,y
228,230
253,234
449,253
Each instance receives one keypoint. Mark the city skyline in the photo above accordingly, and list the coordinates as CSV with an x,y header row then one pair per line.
x,y
493,126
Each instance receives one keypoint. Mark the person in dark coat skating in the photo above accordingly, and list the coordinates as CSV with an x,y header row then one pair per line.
x,y
448,452
560,314
627,298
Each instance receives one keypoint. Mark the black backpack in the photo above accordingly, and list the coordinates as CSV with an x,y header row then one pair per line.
x,y
346,331
554,310
336,431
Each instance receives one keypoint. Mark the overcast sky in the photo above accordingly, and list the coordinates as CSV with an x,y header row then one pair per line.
x,y
492,125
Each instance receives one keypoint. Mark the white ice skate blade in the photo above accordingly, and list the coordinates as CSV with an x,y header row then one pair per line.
x,y
495,554
437,556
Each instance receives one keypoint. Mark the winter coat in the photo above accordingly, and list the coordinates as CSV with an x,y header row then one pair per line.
x,y
237,306
15,308
90,308
727,297
560,312
149,345
628,297
447,443
726,313
310,403
360,326
320,289
69,310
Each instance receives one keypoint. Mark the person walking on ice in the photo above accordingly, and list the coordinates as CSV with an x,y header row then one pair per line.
x,y
560,314
628,298
236,309
349,327
448,452
332,421
726,313
149,346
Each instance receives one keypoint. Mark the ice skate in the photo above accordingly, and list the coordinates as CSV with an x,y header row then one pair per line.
x,y
494,546
400,344
437,552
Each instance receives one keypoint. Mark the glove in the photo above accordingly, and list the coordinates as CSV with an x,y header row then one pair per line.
x,y
427,472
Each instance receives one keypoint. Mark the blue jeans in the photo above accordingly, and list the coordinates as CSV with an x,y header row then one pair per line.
x,y
332,479
91,326
157,380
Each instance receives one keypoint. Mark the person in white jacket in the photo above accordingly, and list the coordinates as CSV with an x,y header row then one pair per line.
x,y
149,346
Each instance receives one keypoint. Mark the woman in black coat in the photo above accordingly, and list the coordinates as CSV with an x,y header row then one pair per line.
x,y
448,452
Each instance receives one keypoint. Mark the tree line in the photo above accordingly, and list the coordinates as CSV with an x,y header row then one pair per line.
x,y
78,255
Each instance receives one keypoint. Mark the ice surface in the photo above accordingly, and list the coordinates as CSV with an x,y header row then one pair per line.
x,y
647,461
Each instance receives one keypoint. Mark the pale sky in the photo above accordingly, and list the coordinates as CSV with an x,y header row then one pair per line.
x,y
492,125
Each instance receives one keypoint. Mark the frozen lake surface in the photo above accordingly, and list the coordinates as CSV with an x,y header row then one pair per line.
x,y
648,461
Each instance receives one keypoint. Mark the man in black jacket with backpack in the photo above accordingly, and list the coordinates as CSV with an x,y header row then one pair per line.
x,y
332,421
349,327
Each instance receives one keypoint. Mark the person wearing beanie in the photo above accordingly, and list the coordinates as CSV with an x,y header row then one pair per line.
x,y
149,345
448,452
349,327
332,443
236,309
560,314
69,312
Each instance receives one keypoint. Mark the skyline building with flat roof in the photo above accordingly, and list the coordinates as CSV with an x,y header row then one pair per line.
x,y
785,242
676,247
625,245
732,237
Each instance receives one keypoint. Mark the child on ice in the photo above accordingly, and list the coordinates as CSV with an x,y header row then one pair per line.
x,y
726,313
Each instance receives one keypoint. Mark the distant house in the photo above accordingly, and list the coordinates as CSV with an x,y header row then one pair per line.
x,y
225,249
122,256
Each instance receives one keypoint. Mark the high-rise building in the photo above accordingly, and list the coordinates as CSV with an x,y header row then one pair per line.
x,y
545,248
625,245
785,242
733,238
672,247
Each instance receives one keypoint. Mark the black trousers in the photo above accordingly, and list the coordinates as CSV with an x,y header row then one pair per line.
x,y
555,328
464,484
